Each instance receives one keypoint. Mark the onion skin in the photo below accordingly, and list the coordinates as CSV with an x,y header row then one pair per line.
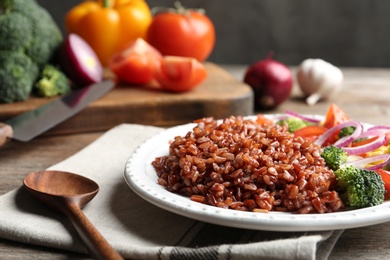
x,y
79,62
271,82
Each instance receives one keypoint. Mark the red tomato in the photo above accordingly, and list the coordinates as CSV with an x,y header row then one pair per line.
x,y
386,179
135,64
310,132
335,116
179,74
186,33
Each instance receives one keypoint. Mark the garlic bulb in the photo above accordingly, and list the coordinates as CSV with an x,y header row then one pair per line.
x,y
319,79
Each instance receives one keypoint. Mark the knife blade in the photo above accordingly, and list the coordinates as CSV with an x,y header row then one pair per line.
x,y
30,124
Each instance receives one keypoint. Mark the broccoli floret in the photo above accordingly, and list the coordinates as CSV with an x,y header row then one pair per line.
x,y
53,82
359,188
13,28
293,123
346,131
47,36
25,29
17,76
334,156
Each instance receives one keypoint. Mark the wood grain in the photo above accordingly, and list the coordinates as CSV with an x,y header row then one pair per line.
x,y
219,96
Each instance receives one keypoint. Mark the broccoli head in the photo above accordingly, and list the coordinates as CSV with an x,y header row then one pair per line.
x,y
334,156
293,123
359,188
28,30
52,82
17,75
14,28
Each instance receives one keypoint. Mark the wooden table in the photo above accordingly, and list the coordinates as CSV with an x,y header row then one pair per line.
x,y
365,97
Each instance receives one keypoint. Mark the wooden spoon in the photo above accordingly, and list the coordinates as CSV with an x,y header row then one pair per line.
x,y
68,193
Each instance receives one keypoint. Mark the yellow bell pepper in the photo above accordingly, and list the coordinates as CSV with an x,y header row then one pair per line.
x,y
108,26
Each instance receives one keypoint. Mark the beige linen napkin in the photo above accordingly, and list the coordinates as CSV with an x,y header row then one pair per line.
x,y
138,229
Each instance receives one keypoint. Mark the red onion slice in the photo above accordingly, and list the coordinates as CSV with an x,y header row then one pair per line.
x,y
345,140
370,133
362,163
303,117
381,140
383,128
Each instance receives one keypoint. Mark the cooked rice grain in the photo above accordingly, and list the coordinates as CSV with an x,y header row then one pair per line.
x,y
239,164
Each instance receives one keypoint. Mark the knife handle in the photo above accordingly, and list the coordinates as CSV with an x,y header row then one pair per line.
x,y
6,133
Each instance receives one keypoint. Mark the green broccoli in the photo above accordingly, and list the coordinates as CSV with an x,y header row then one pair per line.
x,y
334,156
346,131
25,29
13,28
52,82
293,123
359,188
17,74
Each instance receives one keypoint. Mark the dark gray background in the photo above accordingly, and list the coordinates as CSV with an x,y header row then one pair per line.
x,y
343,32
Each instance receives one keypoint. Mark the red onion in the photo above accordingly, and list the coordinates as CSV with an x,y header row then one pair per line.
x,y
271,82
361,163
383,128
345,140
361,149
79,61
303,117
370,133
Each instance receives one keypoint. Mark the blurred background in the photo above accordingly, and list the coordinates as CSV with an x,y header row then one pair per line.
x,y
350,33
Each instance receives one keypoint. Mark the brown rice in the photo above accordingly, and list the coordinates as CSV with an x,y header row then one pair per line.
x,y
239,164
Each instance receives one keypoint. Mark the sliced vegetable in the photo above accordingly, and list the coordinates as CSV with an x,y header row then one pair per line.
x,y
371,163
136,63
79,61
179,74
303,117
342,142
182,32
335,116
311,132
271,82
363,141
375,144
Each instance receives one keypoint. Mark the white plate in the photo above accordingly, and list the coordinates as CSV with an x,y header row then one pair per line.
x,y
141,176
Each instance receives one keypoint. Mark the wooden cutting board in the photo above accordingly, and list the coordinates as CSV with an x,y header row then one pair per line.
x,y
219,96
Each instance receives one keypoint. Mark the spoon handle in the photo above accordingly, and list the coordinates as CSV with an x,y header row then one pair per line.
x,y
97,245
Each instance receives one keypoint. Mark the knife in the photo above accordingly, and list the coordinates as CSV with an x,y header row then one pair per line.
x,y
28,125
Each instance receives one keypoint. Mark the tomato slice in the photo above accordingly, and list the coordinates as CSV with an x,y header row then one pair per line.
x,y
179,74
363,142
135,64
335,116
311,132
386,179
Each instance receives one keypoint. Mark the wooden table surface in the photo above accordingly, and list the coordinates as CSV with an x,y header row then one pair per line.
x,y
365,97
